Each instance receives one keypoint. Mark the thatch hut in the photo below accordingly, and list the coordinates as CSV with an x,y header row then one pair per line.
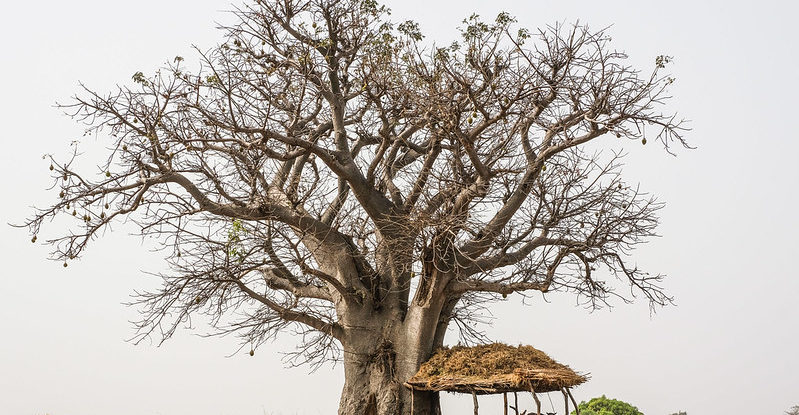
x,y
493,369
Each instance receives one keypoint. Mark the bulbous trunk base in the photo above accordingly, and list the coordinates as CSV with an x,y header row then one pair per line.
x,y
372,387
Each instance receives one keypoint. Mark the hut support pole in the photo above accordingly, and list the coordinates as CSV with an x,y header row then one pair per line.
x,y
535,398
474,399
565,401
516,402
505,401
576,408
412,393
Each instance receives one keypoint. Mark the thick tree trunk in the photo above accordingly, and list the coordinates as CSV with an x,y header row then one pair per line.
x,y
374,386
382,355
384,345
369,387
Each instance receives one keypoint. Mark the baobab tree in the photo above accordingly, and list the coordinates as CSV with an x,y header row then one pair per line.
x,y
330,174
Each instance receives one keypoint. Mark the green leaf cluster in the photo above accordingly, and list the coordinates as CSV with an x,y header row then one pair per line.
x,y
607,406
235,248
139,78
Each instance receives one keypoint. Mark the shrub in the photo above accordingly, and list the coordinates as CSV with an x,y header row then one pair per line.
x,y
606,406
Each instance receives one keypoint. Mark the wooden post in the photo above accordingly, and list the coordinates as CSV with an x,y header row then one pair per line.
x,y
565,400
516,402
474,399
576,408
412,393
535,398
505,401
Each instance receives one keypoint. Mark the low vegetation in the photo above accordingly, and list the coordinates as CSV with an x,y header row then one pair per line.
x,y
606,406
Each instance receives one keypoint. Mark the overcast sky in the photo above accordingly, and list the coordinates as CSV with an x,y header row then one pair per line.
x,y
729,230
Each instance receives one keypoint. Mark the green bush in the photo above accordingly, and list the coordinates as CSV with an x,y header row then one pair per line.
x,y
605,406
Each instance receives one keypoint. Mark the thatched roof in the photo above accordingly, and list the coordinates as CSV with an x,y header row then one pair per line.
x,y
493,368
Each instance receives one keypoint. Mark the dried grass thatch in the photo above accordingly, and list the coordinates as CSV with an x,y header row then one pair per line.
x,y
493,368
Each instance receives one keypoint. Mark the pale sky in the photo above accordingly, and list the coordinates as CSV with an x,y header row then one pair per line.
x,y
729,230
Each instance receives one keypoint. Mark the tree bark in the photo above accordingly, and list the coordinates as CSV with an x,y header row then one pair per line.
x,y
369,387
382,350
374,385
